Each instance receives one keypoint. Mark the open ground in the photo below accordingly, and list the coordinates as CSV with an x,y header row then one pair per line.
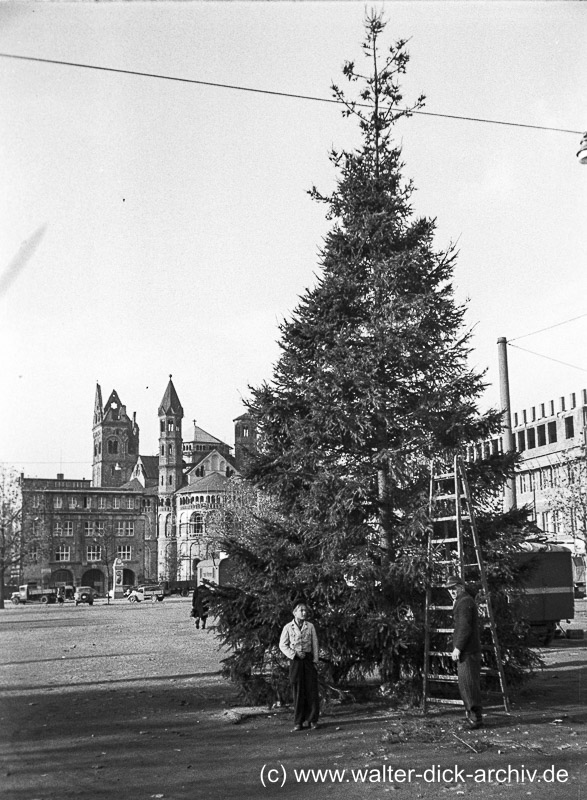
x,y
127,701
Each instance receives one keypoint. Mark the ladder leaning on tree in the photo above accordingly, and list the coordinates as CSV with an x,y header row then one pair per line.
x,y
454,546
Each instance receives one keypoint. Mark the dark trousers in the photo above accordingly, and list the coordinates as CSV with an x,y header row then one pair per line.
x,y
469,671
304,686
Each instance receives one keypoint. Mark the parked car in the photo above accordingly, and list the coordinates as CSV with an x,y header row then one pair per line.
x,y
153,592
85,594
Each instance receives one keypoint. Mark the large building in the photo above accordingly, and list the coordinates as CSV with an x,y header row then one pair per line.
x,y
552,476
141,518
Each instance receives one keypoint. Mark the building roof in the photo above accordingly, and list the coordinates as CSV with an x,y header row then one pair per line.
x,y
170,403
200,436
135,485
214,482
150,466
246,416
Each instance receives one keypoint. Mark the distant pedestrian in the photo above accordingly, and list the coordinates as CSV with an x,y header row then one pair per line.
x,y
467,650
299,643
199,607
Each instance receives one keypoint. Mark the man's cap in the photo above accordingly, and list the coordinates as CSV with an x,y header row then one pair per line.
x,y
454,580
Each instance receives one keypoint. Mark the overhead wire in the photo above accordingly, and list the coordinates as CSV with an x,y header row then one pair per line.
x,y
549,328
276,93
548,358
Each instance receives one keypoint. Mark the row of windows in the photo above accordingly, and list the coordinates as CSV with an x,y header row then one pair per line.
x,y
543,434
547,477
113,448
95,528
89,501
193,499
568,524
551,409
93,552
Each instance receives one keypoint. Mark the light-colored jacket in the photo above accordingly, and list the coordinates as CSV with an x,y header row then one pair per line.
x,y
293,638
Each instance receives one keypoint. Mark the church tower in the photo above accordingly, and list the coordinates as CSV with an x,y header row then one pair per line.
x,y
170,443
170,480
116,442
245,439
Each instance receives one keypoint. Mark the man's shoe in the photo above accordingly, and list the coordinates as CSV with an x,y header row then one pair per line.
x,y
472,724
314,725
297,728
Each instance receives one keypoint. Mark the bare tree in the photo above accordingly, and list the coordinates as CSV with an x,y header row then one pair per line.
x,y
11,539
567,497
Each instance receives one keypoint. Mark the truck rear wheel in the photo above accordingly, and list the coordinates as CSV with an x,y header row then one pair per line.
x,y
44,599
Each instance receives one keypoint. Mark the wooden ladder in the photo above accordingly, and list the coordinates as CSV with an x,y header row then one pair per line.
x,y
454,548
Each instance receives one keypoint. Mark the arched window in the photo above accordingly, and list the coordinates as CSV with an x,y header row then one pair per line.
x,y
170,450
196,524
113,446
162,449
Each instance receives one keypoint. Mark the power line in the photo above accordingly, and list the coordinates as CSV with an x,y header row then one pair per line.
x,y
550,327
276,93
548,358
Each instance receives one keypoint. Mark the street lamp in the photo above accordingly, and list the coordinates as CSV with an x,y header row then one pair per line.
x,y
582,154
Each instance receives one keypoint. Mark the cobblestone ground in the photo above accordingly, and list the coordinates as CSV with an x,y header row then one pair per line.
x,y
127,701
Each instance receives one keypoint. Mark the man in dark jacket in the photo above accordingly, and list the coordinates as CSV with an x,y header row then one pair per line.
x,y
200,606
467,650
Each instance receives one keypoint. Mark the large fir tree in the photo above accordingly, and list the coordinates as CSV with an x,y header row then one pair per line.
x,y
371,383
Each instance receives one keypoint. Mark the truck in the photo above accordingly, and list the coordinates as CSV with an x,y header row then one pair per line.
x,y
153,592
547,585
215,570
31,593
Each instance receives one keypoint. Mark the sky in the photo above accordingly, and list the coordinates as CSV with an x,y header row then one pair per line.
x,y
154,227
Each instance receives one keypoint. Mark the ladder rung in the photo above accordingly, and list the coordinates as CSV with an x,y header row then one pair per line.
x,y
452,518
446,701
440,653
444,541
440,608
442,630
442,678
